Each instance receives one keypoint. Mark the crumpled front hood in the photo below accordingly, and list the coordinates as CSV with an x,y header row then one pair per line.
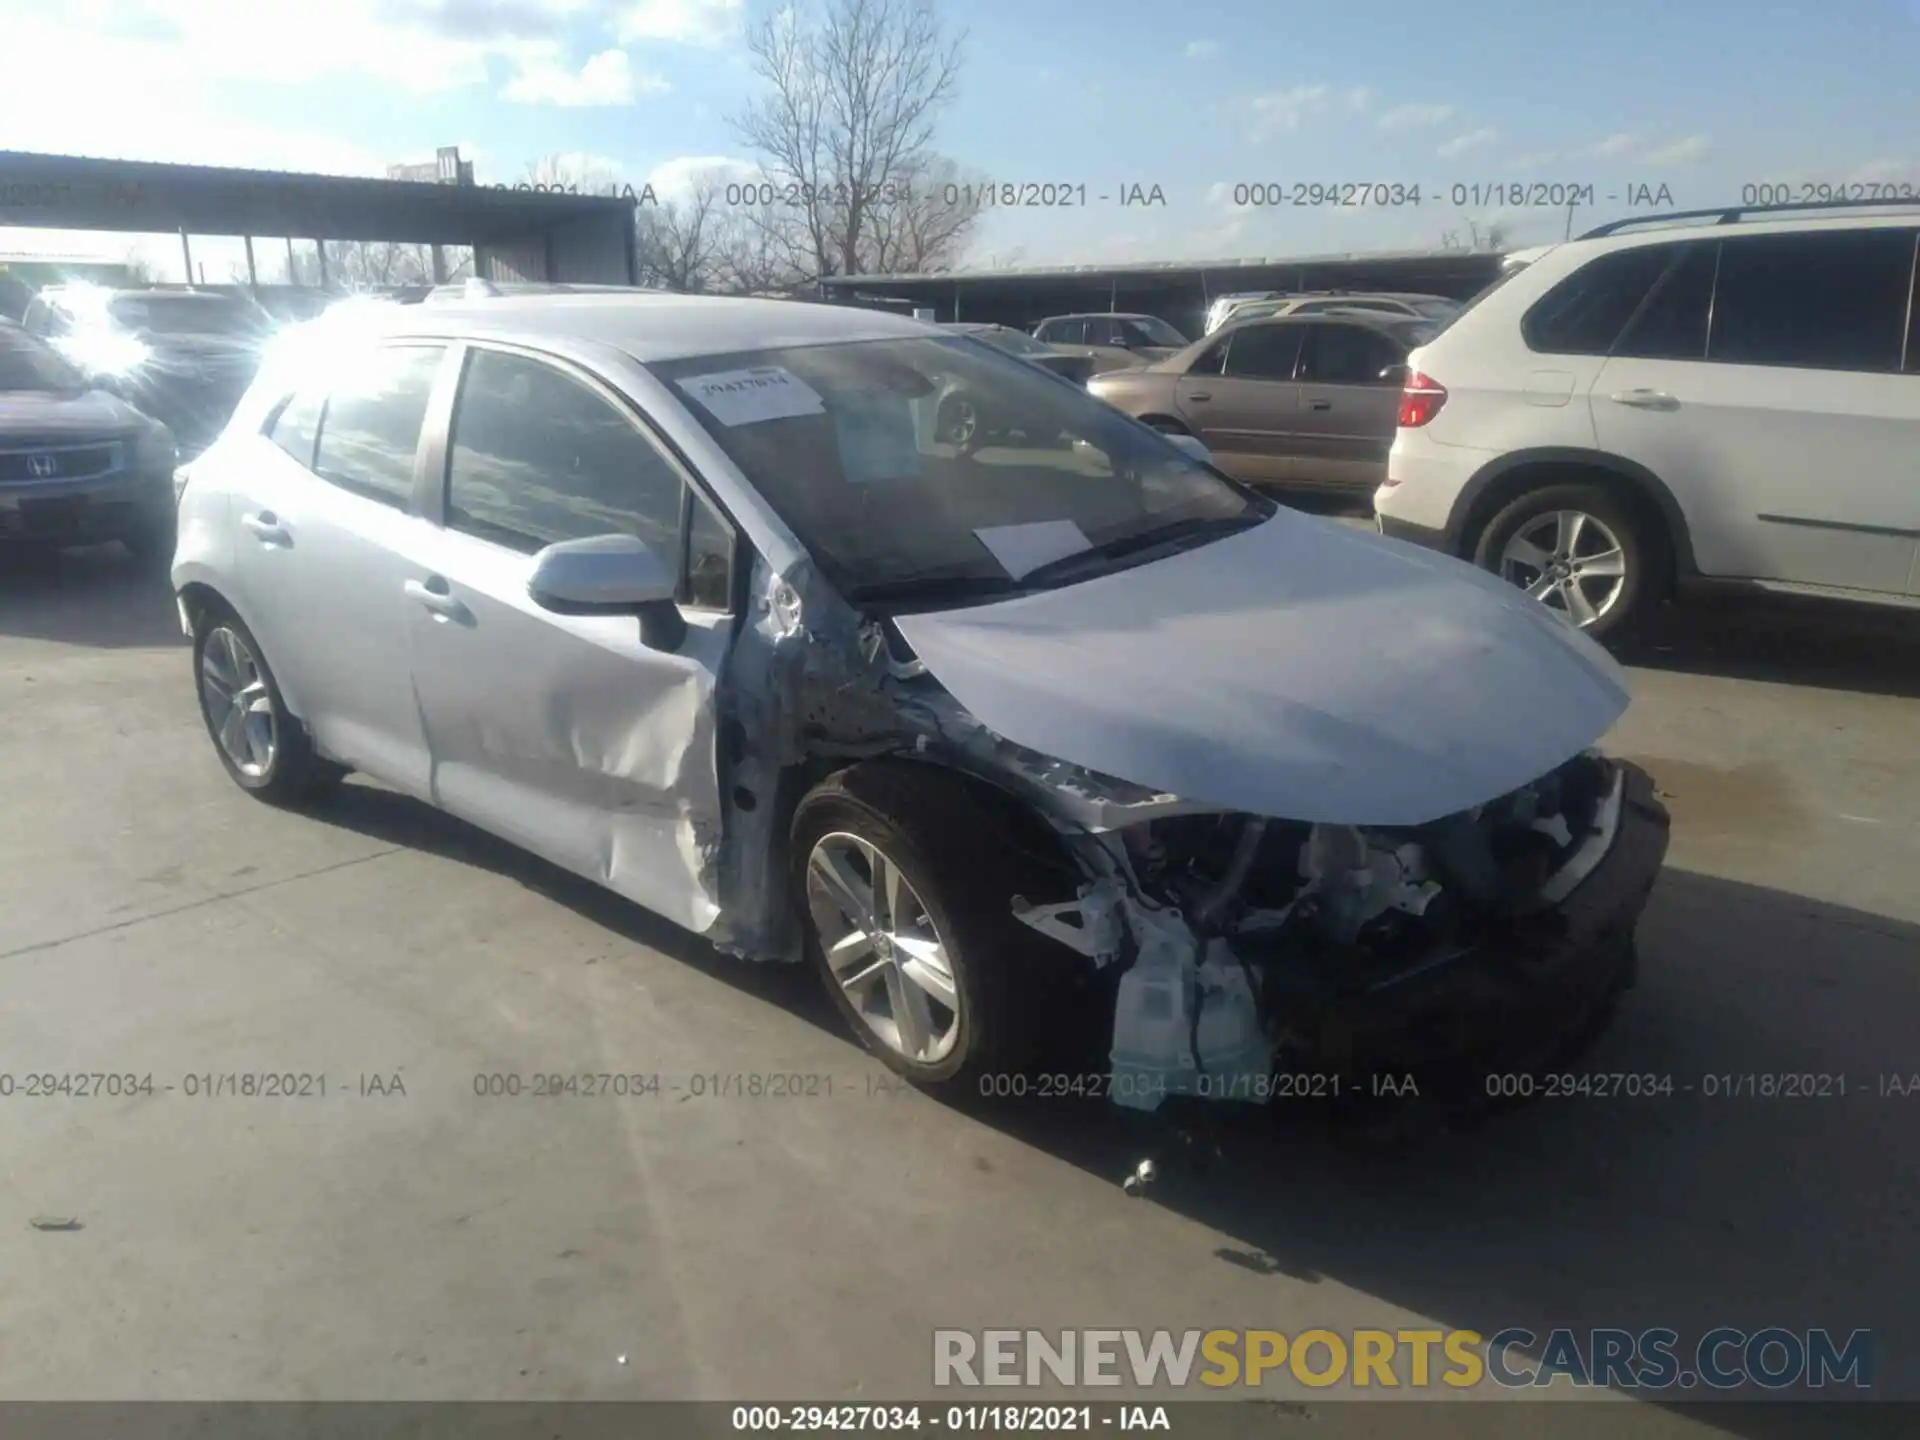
x,y
82,415
1302,670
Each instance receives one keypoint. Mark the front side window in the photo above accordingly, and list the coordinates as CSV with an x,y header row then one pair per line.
x,y
922,471
1585,313
1064,332
537,456
1824,301
1264,352
370,428
1348,355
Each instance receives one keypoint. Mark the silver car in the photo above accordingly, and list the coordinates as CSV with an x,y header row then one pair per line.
x,y
688,596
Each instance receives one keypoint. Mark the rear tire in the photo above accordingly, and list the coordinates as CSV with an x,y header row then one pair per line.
x,y
1580,549
261,744
956,870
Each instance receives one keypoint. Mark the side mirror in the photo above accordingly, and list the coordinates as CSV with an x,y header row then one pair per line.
x,y
610,575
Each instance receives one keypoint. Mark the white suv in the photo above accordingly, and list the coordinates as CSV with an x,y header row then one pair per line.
x,y
1733,396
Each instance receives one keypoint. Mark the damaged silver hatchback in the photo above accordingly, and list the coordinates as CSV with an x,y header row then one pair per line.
x,y
721,604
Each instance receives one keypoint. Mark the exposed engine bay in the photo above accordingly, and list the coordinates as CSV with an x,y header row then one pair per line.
x,y
1243,935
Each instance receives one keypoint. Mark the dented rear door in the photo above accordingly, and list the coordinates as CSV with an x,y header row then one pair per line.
x,y
566,733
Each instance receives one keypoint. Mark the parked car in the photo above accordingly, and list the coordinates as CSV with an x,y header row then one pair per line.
x,y
683,594
183,356
1293,403
1067,365
1437,308
1727,399
77,466
1112,342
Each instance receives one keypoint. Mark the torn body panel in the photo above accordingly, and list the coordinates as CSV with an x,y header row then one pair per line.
x,y
1243,941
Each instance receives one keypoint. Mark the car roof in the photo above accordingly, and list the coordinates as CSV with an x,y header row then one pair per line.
x,y
1103,315
1368,319
1656,228
656,325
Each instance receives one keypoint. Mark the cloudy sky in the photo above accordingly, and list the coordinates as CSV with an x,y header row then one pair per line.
x,y
1202,100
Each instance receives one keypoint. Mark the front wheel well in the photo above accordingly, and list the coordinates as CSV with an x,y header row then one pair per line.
x,y
1656,526
199,598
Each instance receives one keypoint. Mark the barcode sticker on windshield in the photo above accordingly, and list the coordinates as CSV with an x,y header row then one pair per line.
x,y
746,397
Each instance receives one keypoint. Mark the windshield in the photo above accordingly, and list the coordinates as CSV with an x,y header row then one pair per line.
x,y
184,315
1150,330
26,364
921,469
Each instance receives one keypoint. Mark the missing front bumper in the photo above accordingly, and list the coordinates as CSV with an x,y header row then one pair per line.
x,y
1516,999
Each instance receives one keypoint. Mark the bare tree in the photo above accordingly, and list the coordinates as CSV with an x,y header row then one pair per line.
x,y
681,238
572,174
1493,236
138,267
849,119
922,224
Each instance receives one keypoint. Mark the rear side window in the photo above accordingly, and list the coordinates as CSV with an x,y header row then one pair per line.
x,y
1348,355
1819,301
1065,332
1585,313
1264,352
539,457
1672,324
370,429
297,426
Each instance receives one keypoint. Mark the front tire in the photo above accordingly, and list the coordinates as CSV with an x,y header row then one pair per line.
x,y
1578,550
904,880
263,746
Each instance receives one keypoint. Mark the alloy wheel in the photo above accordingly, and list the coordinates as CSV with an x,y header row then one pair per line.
x,y
238,705
883,949
1570,561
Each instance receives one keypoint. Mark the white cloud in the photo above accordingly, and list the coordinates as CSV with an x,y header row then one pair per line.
x,y
606,79
1678,152
687,22
1409,117
1472,140
1359,98
1202,49
1882,169
1285,109
675,180
1535,159
1614,147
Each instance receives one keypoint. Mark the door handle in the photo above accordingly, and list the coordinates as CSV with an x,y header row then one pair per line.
x,y
436,595
1319,405
1201,398
1645,399
266,529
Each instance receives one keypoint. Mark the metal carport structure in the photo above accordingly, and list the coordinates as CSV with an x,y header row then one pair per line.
x,y
515,234
1178,291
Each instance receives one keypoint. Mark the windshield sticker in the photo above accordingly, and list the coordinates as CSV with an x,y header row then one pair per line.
x,y
876,436
746,397
1022,549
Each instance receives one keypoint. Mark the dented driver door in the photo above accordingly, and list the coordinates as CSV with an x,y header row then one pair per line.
x,y
567,734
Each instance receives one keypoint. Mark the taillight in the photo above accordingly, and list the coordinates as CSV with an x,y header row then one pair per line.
x,y
1420,399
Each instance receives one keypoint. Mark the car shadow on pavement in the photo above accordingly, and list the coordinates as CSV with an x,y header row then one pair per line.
x,y
1702,1202
1867,648
396,819
1712,1205
99,596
